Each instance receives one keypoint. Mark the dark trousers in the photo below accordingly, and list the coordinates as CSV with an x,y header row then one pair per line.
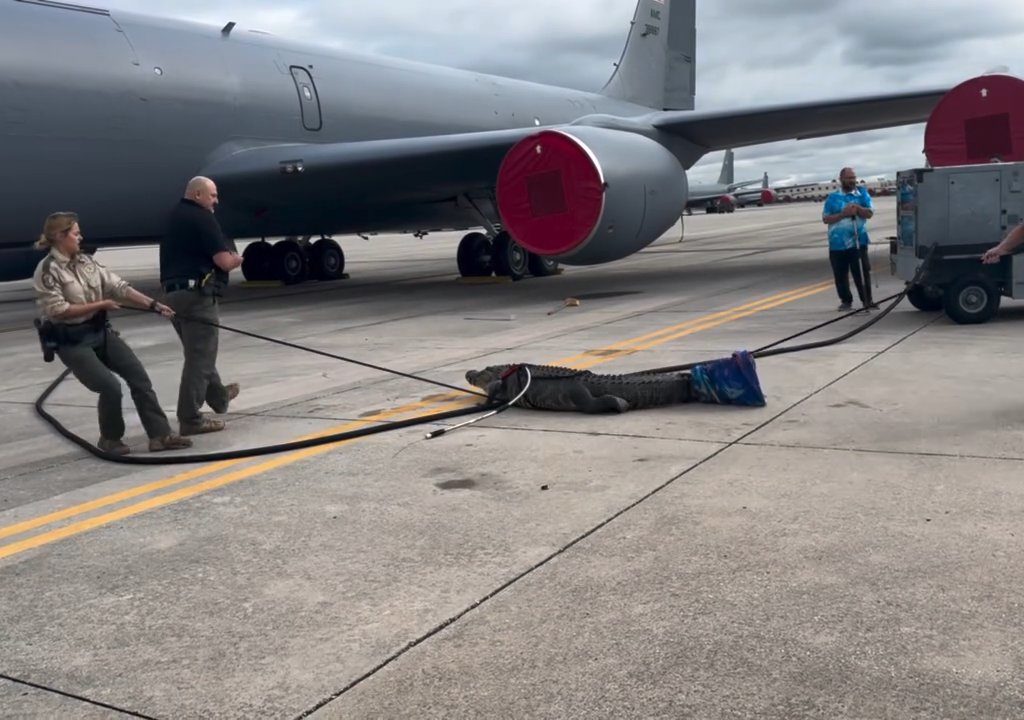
x,y
92,360
200,381
852,262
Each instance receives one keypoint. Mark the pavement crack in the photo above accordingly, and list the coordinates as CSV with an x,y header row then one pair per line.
x,y
73,696
877,451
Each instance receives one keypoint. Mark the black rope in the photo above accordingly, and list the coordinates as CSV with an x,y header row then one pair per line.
x,y
183,459
323,353
772,349
177,459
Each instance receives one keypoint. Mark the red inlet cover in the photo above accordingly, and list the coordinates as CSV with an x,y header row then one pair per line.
x,y
550,193
978,120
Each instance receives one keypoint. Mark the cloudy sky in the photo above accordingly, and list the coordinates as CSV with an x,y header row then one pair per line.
x,y
749,52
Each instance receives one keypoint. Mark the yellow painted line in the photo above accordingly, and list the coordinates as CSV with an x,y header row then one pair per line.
x,y
636,344
737,316
673,332
27,525
183,493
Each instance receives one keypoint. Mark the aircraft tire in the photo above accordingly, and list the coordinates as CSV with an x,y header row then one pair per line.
x,y
510,258
327,260
541,266
290,262
256,261
474,255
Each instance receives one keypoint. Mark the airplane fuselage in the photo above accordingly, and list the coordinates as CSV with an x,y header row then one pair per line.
x,y
111,114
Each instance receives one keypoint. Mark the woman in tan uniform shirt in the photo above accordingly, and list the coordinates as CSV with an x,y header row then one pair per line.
x,y
74,294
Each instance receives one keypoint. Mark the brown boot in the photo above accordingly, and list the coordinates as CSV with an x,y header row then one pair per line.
x,y
169,442
232,389
114,447
208,425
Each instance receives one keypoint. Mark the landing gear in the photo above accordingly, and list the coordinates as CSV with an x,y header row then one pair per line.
x,y
327,260
290,261
541,266
479,256
474,255
256,261
510,259
293,260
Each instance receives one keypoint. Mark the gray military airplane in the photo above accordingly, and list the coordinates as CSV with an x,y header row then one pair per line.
x,y
763,195
722,196
110,113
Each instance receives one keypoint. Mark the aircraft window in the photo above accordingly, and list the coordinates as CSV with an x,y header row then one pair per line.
x,y
307,93
158,71
66,6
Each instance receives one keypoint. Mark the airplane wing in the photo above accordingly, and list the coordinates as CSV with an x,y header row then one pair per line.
x,y
418,169
729,129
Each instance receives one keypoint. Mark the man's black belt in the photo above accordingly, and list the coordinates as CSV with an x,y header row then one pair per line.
x,y
170,287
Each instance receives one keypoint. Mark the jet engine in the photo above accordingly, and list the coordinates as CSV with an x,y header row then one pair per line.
x,y
589,195
768,196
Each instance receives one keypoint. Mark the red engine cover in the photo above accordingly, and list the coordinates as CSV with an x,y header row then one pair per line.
x,y
767,196
550,193
978,120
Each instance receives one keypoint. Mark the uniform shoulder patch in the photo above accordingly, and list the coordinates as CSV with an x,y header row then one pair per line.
x,y
48,280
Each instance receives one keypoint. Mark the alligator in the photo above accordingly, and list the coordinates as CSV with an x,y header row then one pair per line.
x,y
730,381
561,388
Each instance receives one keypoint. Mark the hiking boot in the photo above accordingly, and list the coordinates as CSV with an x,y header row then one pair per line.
x,y
208,425
845,307
169,442
233,390
114,447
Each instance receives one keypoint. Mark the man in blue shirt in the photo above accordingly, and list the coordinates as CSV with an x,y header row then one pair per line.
x,y
846,213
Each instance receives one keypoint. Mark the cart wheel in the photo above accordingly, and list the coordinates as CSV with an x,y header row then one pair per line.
x,y
927,298
971,300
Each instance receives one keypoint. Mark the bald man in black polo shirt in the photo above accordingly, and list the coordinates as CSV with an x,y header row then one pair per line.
x,y
195,259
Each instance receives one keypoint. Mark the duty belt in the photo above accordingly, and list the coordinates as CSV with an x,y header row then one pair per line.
x,y
170,287
52,335
207,285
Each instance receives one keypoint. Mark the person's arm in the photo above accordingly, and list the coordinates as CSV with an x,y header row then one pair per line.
x,y
75,311
144,301
227,261
217,246
866,210
831,218
120,290
1010,243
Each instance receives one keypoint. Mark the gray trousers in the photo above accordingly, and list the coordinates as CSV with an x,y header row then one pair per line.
x,y
200,381
92,361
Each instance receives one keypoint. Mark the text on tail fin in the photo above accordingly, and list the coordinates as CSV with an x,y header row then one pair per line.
x,y
657,65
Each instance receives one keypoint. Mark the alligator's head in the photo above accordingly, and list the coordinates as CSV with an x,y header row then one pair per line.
x,y
483,378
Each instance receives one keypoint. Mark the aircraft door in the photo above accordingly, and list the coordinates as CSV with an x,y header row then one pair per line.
x,y
309,101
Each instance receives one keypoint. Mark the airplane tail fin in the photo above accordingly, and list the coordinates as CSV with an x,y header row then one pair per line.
x,y
728,174
657,65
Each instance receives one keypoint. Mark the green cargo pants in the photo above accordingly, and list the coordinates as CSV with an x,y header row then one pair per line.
x,y
200,381
92,360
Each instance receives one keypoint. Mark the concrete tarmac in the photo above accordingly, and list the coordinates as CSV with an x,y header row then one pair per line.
x,y
851,550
